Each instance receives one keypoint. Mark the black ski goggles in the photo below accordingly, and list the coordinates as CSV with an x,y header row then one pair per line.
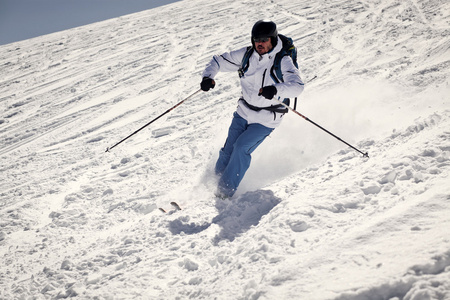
x,y
261,39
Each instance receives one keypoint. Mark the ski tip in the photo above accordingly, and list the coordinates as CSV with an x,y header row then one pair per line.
x,y
162,209
175,205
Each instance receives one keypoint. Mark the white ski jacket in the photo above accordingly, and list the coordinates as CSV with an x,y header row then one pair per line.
x,y
257,76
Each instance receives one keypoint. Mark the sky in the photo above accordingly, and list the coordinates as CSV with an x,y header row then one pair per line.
x,y
24,19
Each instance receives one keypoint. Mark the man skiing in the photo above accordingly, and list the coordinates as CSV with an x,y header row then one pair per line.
x,y
257,114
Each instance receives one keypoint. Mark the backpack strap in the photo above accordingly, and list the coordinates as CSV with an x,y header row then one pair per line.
x,y
288,49
277,75
245,63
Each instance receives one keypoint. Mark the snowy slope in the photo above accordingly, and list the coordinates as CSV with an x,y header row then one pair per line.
x,y
312,218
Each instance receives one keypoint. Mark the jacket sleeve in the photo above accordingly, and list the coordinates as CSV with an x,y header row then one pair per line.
x,y
293,84
227,62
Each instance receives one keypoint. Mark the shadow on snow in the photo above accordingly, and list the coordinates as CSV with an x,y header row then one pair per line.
x,y
235,217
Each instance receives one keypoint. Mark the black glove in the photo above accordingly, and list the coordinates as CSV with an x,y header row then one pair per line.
x,y
207,83
268,92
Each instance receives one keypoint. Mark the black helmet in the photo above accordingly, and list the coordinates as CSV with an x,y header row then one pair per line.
x,y
264,28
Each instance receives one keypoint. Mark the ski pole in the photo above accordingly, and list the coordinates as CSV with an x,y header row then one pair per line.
x,y
307,119
166,112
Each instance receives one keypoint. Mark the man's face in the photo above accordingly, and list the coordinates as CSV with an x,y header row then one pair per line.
x,y
263,45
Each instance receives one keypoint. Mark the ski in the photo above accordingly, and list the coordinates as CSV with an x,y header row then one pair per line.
x,y
174,204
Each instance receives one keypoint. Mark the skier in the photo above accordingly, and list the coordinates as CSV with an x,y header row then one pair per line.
x,y
257,115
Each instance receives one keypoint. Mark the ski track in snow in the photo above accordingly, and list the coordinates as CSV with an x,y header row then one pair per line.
x,y
312,218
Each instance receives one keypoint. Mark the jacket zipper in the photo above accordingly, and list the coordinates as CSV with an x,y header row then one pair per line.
x,y
262,85
264,77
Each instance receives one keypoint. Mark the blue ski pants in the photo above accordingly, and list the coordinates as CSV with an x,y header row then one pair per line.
x,y
234,158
